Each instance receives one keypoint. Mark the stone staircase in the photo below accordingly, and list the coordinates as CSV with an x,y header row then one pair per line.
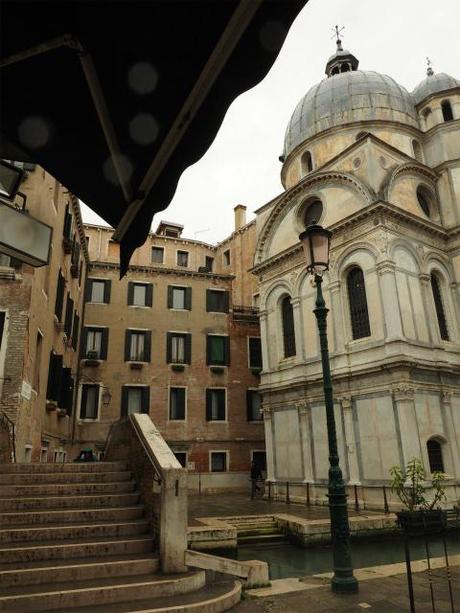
x,y
257,529
73,537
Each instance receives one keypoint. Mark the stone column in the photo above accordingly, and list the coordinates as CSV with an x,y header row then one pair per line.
x,y
403,396
298,327
337,314
350,441
430,313
264,341
305,438
269,446
452,435
389,293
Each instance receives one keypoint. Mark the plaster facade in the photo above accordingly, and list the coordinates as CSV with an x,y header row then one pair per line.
x,y
37,397
396,387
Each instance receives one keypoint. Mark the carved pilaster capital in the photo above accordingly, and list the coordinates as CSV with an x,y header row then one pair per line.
x,y
295,302
266,411
424,279
346,402
263,315
403,391
386,267
446,396
302,406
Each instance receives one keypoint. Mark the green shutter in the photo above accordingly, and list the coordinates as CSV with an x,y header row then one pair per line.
x,y
188,348
168,347
226,350
124,401
130,293
88,289
127,345
147,346
188,298
149,295
208,300
249,405
170,296
226,302
104,343
107,289
208,405
145,400
208,349
84,334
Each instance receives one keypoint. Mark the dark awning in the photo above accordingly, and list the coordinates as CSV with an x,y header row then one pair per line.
x,y
116,99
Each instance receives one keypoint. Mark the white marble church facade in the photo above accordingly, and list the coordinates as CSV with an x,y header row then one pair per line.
x,y
379,167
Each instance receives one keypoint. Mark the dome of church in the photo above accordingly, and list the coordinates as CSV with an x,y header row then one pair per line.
x,y
347,97
434,84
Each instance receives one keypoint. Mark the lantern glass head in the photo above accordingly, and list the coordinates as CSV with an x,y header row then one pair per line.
x,y
106,397
315,242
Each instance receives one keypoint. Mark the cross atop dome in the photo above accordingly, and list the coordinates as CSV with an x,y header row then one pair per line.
x,y
342,60
429,70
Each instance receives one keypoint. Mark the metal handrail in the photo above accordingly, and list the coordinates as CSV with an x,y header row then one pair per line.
x,y
9,423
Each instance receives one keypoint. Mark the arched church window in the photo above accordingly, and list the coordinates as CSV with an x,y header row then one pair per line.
x,y
313,212
439,307
335,70
434,449
424,199
446,108
418,155
345,68
306,163
357,300
288,327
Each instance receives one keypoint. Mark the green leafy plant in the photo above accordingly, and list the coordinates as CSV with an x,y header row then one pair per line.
x,y
408,485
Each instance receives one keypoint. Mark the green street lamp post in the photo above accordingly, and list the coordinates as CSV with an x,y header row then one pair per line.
x,y
316,241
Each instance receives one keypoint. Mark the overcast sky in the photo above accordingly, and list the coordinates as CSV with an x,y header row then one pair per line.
x,y
241,167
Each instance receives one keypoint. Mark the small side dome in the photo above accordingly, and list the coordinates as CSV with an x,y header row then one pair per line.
x,y
434,84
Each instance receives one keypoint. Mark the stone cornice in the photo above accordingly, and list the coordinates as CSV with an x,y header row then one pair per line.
x,y
80,225
161,271
436,95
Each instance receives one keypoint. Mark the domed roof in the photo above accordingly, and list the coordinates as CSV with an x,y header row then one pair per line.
x,y
434,84
343,98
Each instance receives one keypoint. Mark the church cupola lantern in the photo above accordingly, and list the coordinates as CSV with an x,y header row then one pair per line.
x,y
342,60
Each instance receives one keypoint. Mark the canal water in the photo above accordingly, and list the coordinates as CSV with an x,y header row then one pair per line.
x,y
286,560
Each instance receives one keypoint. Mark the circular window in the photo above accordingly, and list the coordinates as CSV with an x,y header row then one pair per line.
x,y
424,198
313,212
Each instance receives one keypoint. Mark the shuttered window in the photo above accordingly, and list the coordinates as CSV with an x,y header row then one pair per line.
x,y
53,390
179,297
75,331
253,405
357,301
178,348
135,399
255,353
89,406
66,392
177,403
217,301
218,461
138,345
217,350
95,343
140,294
68,316
216,404
98,290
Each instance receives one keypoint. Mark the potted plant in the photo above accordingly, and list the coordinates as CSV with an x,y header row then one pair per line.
x,y
420,515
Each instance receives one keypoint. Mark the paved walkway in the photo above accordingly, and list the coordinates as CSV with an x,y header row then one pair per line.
x,y
223,505
383,595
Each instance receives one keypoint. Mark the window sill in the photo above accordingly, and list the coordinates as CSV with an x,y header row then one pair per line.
x,y
256,370
92,362
217,370
178,367
51,405
136,365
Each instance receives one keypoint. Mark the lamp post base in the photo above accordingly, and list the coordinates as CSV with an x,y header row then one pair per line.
x,y
344,585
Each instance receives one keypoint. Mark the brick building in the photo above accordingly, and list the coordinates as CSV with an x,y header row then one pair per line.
x,y
177,337
40,315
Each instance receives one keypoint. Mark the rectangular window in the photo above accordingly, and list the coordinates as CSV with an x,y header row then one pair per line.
x,y
95,343
218,461
182,258
134,399
209,263
37,361
140,294
215,404
217,350
54,377
260,459
158,255
227,257
59,296
75,331
216,301
255,352
177,403
181,457
137,345
179,297
98,290
89,406
66,394
253,405
178,348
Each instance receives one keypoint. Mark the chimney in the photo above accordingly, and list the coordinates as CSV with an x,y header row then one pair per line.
x,y
240,216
